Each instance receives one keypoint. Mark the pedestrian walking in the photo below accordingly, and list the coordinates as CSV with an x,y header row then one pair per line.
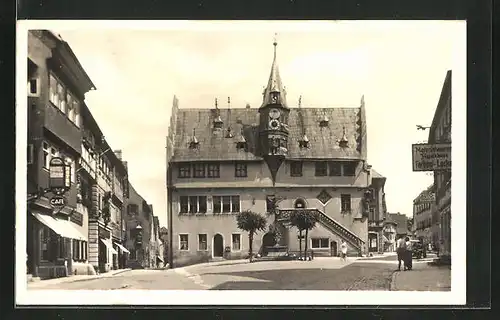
x,y
343,250
401,250
409,254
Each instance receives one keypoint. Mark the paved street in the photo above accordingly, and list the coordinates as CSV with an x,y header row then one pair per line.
x,y
320,274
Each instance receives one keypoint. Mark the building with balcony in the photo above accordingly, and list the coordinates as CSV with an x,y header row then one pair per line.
x,y
139,231
103,185
57,239
440,133
271,160
424,227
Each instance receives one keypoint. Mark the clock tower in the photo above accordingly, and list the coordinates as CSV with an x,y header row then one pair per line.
x,y
273,126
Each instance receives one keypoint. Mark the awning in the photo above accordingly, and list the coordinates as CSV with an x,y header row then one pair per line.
x,y
108,244
160,258
59,226
122,248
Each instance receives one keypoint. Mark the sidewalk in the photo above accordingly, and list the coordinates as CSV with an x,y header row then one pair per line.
x,y
423,277
48,282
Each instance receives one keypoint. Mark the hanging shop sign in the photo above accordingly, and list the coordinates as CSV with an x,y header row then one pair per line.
x,y
57,202
431,157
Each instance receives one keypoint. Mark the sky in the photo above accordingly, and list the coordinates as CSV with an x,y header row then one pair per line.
x,y
398,66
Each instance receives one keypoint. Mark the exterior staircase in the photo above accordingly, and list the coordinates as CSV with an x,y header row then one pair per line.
x,y
330,224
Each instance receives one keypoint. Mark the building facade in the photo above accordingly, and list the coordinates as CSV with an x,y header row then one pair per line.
x,y
400,222
377,214
423,224
57,239
139,231
271,160
440,132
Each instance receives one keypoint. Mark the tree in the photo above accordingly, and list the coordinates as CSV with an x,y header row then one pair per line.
x,y
251,222
303,220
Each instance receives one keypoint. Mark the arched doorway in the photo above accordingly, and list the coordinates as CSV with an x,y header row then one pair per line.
x,y
268,240
218,245
300,204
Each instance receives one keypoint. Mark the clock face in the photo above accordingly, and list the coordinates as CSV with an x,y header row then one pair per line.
x,y
274,124
274,113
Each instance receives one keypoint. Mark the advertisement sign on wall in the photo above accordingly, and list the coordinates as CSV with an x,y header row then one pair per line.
x,y
431,157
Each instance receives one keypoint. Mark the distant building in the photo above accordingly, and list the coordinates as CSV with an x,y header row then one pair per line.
x,y
440,132
271,160
377,214
423,225
401,221
390,234
139,231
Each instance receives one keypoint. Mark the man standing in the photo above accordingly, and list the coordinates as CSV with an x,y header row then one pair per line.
x,y
401,251
343,250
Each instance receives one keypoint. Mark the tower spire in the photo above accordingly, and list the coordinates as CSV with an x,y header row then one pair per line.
x,y
274,92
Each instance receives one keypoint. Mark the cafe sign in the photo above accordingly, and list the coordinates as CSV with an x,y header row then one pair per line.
x,y
57,202
431,157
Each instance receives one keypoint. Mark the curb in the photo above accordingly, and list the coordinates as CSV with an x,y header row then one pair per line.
x,y
69,280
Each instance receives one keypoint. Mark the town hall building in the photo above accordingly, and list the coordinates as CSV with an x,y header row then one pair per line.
x,y
271,160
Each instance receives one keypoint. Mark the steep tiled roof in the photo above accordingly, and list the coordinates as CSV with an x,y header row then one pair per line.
x,y
426,195
402,222
214,146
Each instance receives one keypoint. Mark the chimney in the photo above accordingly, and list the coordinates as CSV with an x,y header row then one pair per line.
x,y
118,154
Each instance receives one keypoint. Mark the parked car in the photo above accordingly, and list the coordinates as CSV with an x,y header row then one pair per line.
x,y
419,250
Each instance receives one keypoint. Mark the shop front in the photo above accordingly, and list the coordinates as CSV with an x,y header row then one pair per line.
x,y
51,243
106,250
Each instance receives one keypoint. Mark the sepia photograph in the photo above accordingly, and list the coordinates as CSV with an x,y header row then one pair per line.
x,y
240,162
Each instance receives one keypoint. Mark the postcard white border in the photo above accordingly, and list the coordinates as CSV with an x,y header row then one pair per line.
x,y
456,296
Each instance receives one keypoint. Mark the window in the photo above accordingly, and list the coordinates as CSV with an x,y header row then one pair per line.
x,y
45,244
46,154
350,168
321,168
320,243
72,171
240,170
33,88
236,242
133,209
300,204
53,96
183,242
213,170
296,169
193,204
335,169
235,204
345,203
184,170
270,203
226,204
202,242
199,170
